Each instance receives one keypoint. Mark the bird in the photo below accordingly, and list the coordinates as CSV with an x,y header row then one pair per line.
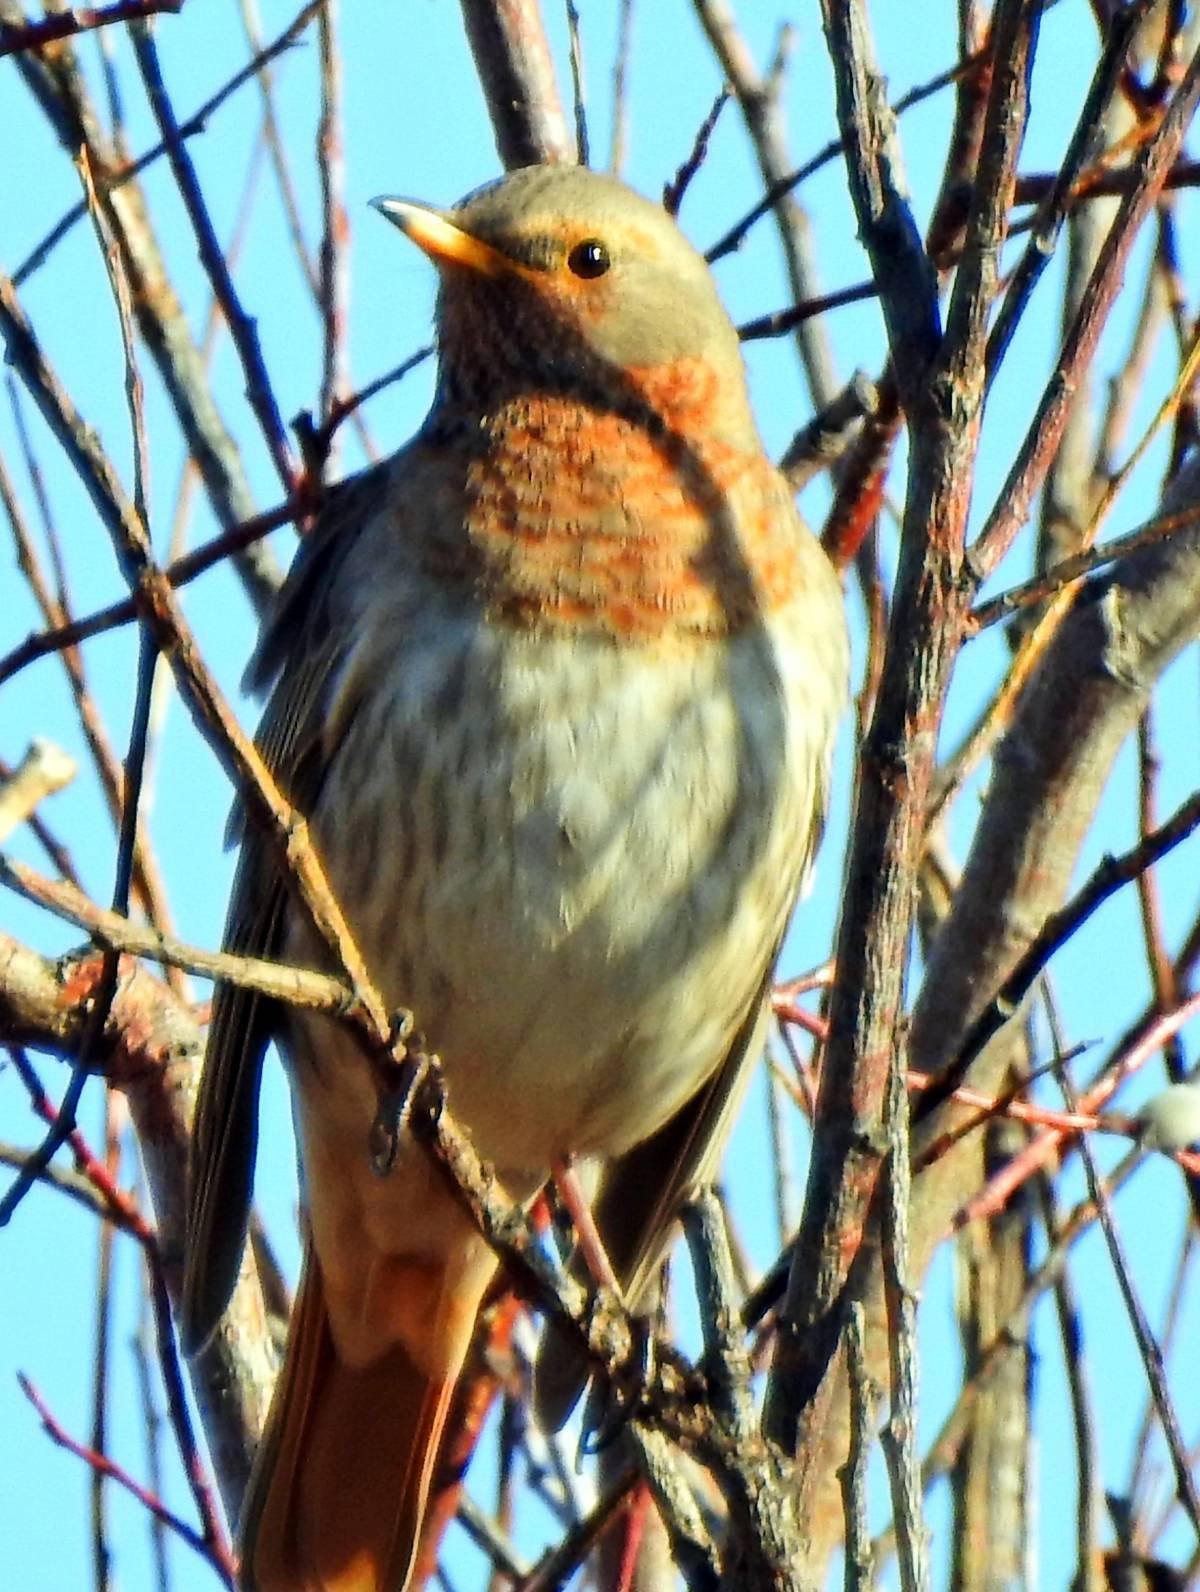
x,y
555,688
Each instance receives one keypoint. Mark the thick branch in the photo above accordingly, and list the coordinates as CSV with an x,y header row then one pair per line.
x,y
512,57
944,397
151,1049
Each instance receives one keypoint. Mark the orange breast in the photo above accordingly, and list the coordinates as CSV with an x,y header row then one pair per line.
x,y
632,522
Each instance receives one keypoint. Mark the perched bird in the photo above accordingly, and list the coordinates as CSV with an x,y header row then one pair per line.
x,y
556,688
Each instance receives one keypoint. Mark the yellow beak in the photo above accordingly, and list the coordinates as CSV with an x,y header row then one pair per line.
x,y
441,240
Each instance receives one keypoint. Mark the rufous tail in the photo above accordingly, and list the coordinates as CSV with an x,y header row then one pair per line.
x,y
338,1491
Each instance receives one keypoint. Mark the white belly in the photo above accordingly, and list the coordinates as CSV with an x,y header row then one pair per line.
x,y
571,860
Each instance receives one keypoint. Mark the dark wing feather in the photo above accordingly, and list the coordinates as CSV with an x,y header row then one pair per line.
x,y
639,1199
637,1206
299,645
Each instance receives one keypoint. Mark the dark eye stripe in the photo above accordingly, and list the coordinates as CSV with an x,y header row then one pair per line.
x,y
589,258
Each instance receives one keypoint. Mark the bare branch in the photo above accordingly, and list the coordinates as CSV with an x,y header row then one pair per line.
x,y
79,19
512,56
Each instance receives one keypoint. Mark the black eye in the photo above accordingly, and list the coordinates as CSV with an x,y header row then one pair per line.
x,y
589,258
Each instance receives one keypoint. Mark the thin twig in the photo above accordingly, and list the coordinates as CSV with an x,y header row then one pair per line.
x,y
1106,880
679,184
102,1353
1070,570
107,1467
191,127
578,84
1037,642
152,1427
1070,1327
899,1436
620,97
737,234
1132,1054
177,574
1033,458
278,151
1052,211
334,291
758,96
780,322
54,606
242,328
864,1395
160,609
79,19
115,931
123,1210
1147,1344
941,384
73,1184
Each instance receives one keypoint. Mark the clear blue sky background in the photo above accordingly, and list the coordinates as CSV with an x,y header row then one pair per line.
x,y
416,125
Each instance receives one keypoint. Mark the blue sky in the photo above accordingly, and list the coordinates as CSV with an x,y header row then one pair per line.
x,y
416,125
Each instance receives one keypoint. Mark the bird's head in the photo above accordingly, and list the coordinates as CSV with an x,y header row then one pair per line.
x,y
563,277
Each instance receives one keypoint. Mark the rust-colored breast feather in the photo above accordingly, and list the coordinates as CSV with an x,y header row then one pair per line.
x,y
632,523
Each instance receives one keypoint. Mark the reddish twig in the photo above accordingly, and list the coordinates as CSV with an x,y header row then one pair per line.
x,y
124,1211
559,1564
1000,1189
222,1563
861,478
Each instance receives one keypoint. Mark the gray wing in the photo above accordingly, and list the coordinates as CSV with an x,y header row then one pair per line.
x,y
643,1191
299,645
640,1197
